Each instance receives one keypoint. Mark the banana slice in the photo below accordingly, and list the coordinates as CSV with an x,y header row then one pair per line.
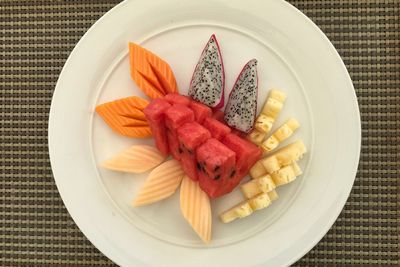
x,y
286,174
264,184
281,134
284,156
239,211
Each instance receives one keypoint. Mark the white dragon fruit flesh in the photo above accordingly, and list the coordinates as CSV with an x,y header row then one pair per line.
x,y
208,80
240,111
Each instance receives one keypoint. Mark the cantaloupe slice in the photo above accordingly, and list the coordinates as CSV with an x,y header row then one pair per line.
x,y
151,74
196,208
161,183
125,116
136,159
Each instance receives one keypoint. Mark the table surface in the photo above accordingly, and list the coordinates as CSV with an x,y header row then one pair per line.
x,y
36,39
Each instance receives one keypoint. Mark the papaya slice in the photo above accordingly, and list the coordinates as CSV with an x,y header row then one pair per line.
x,y
152,74
125,116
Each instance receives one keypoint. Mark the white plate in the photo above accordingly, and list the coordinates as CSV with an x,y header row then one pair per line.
x,y
293,55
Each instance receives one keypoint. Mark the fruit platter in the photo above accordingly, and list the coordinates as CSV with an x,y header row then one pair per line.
x,y
204,134
202,146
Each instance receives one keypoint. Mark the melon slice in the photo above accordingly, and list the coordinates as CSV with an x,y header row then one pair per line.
x,y
196,208
161,183
136,159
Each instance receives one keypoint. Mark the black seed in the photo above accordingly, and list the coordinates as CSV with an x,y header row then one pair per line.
x,y
233,173
217,177
216,168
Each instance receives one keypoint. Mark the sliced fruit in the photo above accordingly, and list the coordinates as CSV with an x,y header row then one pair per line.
x,y
201,111
161,183
239,211
286,174
273,195
217,165
256,136
281,134
208,80
257,170
196,208
176,116
284,156
155,116
246,208
272,107
125,116
217,129
274,103
136,159
240,111
175,98
264,123
264,184
151,74
191,135
247,154
260,201
218,115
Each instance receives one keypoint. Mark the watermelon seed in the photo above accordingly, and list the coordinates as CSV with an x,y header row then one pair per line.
x,y
198,166
217,177
216,168
233,173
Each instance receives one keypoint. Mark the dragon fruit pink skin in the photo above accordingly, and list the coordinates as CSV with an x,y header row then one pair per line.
x,y
208,79
241,109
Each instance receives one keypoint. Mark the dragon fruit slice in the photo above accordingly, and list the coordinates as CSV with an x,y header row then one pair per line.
x,y
241,108
208,80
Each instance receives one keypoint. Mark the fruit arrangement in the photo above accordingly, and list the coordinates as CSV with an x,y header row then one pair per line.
x,y
204,150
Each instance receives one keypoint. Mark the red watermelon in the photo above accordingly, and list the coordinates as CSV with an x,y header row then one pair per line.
x,y
177,99
217,165
176,116
154,113
201,111
217,129
191,135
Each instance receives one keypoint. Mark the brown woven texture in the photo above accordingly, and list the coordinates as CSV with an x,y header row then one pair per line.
x,y
36,38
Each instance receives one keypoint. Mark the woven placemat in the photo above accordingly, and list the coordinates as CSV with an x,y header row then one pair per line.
x,y
36,38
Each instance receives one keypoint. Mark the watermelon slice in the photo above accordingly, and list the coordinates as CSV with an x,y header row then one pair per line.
x,y
177,99
154,113
176,116
217,129
217,165
191,135
247,154
219,115
201,111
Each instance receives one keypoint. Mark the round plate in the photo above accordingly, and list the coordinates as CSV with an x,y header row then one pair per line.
x,y
293,55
